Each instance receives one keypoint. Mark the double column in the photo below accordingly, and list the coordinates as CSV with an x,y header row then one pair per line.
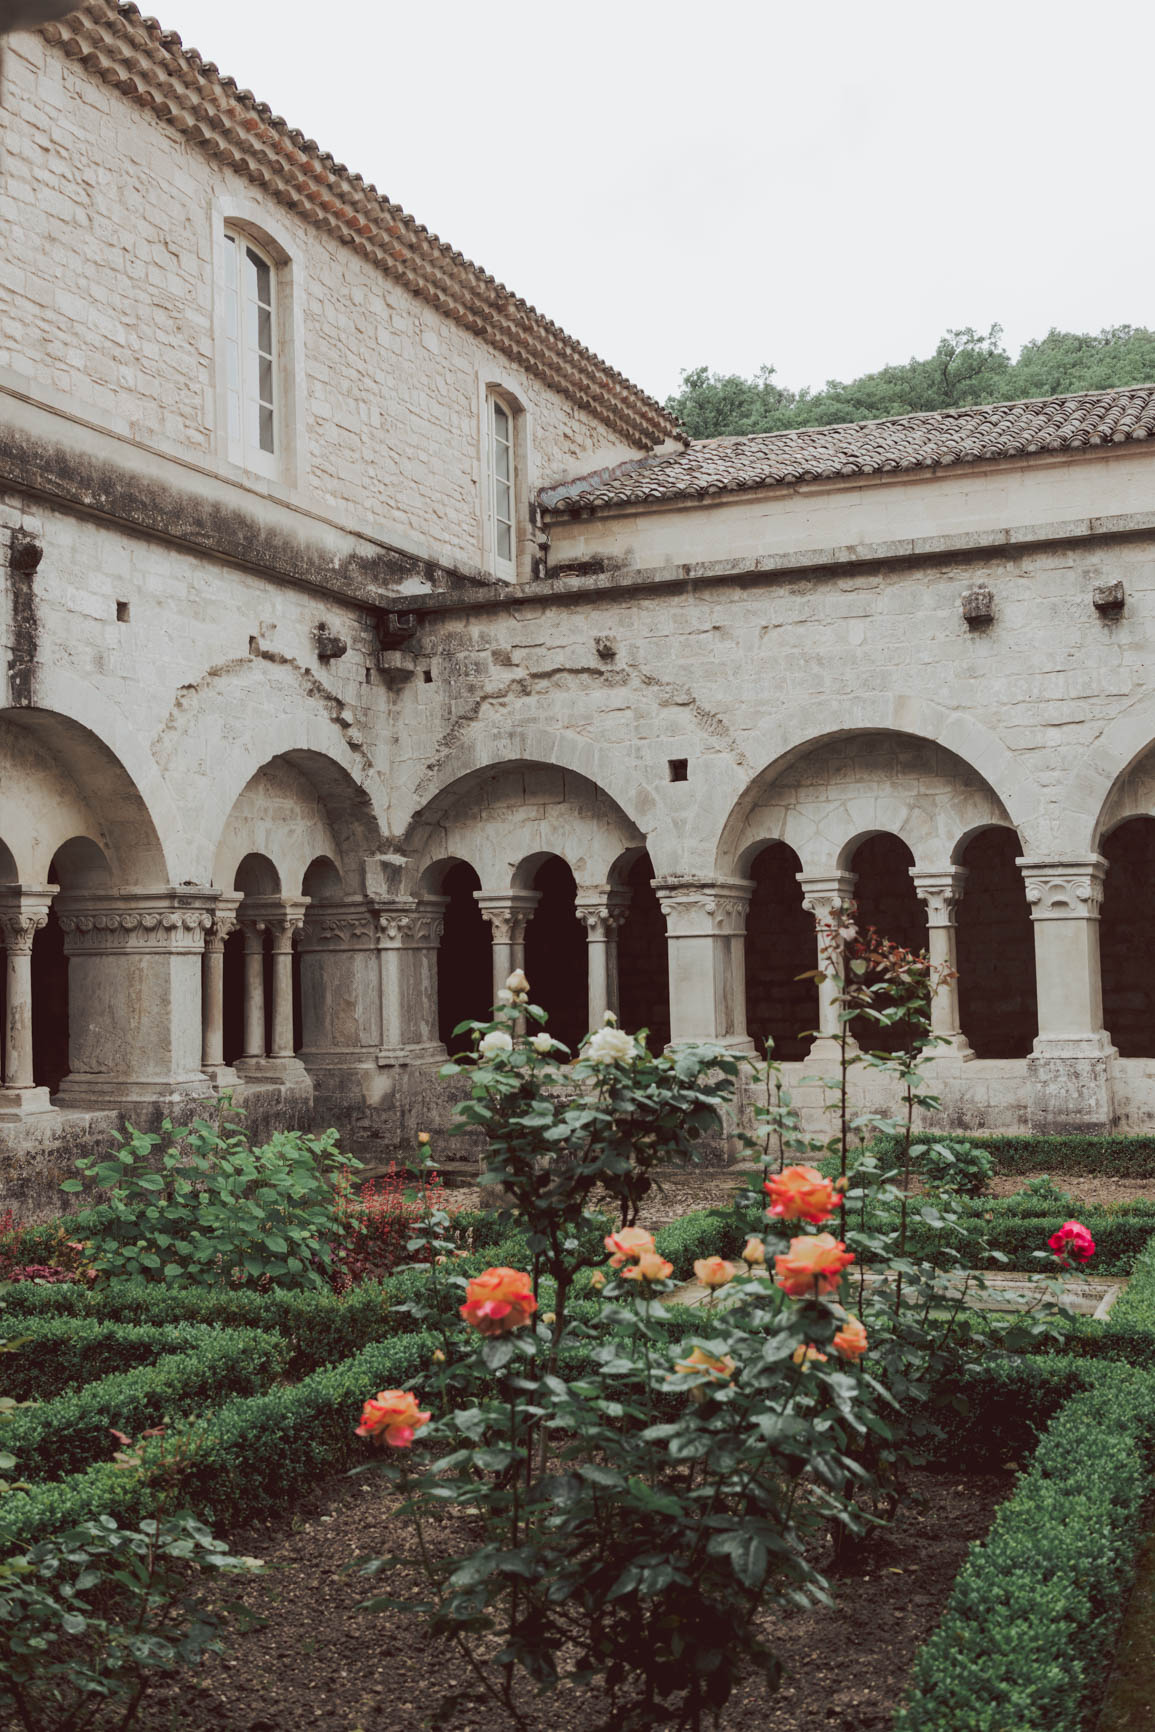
x,y
224,924
23,913
602,911
706,948
508,912
825,894
269,1057
940,893
1069,1070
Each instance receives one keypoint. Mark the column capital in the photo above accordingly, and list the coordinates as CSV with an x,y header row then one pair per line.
x,y
1064,889
508,912
703,907
940,891
822,892
224,921
602,909
24,913
345,923
408,922
104,922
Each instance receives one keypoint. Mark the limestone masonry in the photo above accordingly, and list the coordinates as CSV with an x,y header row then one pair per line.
x,y
366,637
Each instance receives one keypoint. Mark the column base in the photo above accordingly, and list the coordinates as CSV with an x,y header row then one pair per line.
x,y
222,1076
426,1052
271,1071
80,1092
17,1105
1069,1086
955,1046
826,1054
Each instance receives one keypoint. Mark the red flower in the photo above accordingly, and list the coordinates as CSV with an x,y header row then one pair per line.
x,y
1072,1241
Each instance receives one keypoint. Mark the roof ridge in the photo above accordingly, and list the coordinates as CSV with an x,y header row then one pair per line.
x,y
153,67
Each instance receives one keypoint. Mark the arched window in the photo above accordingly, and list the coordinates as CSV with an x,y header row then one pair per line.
x,y
251,359
503,485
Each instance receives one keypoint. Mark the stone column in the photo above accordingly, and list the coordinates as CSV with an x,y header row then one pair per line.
x,y
706,938
23,913
822,894
282,917
941,892
340,999
509,913
134,995
1069,1070
408,934
602,912
221,1075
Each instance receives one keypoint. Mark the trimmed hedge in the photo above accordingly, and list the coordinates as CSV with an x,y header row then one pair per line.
x,y
250,1455
1037,1605
58,1352
1119,1157
63,1436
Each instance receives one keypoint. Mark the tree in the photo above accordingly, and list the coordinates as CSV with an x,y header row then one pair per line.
x,y
968,367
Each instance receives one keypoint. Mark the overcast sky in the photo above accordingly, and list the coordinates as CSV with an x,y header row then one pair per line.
x,y
822,187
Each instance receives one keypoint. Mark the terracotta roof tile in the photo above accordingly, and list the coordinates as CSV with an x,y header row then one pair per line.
x,y
980,435
184,91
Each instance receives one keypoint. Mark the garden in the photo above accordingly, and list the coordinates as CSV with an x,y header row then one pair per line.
x,y
868,1442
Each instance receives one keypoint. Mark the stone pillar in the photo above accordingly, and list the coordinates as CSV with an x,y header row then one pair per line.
x,y
134,995
221,1075
706,940
509,913
340,999
941,892
408,933
1069,1070
282,917
23,913
602,911
822,894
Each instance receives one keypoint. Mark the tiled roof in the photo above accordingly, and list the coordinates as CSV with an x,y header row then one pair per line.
x,y
184,91
979,435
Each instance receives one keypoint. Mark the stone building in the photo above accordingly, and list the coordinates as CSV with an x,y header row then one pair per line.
x,y
364,635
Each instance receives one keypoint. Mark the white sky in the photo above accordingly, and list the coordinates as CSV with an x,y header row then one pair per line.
x,y
822,187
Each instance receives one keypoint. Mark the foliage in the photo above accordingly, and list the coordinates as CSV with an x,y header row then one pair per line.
x,y
1114,1157
199,1205
47,1255
1036,1606
62,1352
967,367
954,1167
59,1437
374,1224
90,1616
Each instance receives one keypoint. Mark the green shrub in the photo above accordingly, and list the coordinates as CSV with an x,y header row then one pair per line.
x,y
1116,1157
954,1167
59,1437
58,1352
707,1233
1037,1605
200,1205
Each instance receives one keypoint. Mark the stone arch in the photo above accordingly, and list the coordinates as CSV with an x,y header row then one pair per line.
x,y
1131,794
331,819
804,728
322,880
59,780
505,812
826,800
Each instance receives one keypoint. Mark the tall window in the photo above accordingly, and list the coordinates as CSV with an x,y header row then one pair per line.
x,y
250,355
502,489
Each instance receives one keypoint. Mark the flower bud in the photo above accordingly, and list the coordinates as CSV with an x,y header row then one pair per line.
x,y
438,1356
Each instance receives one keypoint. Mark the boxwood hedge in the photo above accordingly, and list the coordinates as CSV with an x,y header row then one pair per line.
x,y
58,1352
1119,1157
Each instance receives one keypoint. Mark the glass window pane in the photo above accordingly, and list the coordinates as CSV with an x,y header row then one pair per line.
x,y
504,541
266,429
501,462
265,330
266,380
500,423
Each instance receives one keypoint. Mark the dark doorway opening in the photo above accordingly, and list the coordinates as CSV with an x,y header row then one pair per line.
x,y
998,1004
643,964
464,959
780,945
556,958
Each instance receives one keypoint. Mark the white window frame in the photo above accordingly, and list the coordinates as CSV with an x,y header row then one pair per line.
x,y
253,224
251,389
502,491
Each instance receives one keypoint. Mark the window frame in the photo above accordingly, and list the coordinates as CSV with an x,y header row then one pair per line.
x,y
243,449
252,224
504,566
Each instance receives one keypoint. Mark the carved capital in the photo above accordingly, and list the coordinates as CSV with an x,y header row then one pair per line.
x,y
823,893
704,907
602,912
144,921
1065,889
23,913
19,930
941,892
508,912
224,922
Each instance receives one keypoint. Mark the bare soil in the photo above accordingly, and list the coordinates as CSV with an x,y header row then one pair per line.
x,y
1088,1190
315,1661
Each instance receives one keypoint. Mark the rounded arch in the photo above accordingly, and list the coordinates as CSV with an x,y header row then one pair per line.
x,y
334,818
80,864
781,953
801,729
508,816
995,947
322,881
1094,799
257,876
8,869
58,778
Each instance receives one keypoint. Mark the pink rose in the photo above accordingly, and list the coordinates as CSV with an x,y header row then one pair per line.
x,y
1072,1241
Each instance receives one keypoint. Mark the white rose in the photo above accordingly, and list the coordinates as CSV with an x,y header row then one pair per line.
x,y
505,996
517,981
542,1043
610,1046
495,1042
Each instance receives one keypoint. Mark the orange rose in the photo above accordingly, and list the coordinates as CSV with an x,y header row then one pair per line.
x,y
703,1364
813,1265
714,1271
498,1301
753,1252
803,1356
850,1342
393,1418
628,1243
649,1267
801,1194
